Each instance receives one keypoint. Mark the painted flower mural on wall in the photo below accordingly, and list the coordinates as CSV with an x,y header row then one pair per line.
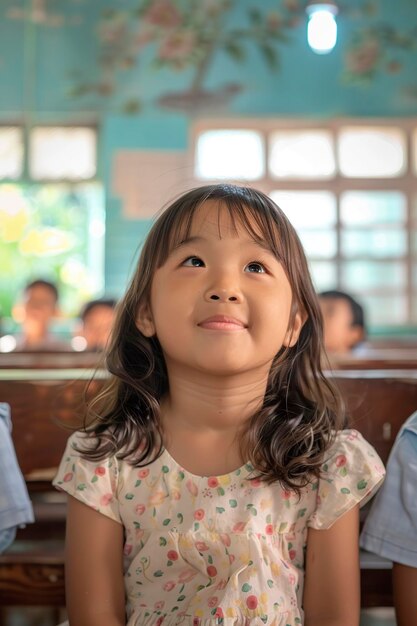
x,y
378,49
186,36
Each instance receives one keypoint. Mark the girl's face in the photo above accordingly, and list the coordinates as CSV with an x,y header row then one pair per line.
x,y
221,302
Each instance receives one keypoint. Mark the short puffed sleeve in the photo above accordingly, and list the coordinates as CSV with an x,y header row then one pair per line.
x,y
92,482
351,475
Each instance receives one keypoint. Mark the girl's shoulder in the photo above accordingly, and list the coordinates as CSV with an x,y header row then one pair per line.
x,y
350,475
350,448
89,454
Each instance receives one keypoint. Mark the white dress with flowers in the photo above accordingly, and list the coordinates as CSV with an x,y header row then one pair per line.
x,y
218,550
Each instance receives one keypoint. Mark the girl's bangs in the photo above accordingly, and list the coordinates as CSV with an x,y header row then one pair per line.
x,y
261,222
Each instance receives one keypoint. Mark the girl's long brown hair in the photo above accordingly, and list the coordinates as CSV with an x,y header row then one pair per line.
x,y
286,440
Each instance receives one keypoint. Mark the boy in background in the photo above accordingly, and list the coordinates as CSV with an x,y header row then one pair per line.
x,y
343,320
96,323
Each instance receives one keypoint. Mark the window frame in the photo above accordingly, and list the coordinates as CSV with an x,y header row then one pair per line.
x,y
405,183
25,177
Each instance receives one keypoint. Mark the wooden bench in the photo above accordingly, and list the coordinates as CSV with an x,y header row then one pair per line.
x,y
50,360
376,359
378,404
32,571
45,405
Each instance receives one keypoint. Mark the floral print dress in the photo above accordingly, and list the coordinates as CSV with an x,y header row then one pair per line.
x,y
217,550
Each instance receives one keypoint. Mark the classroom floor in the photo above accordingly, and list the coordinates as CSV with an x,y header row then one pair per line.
x,y
38,617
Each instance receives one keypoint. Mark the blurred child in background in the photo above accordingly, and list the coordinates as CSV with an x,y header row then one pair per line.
x,y
343,320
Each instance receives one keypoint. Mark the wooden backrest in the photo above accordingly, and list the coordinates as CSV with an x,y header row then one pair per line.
x,y
376,359
43,404
50,360
378,403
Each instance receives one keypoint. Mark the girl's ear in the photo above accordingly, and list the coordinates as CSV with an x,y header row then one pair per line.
x,y
293,333
144,321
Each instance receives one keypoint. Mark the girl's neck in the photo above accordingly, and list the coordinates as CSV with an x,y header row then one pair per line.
x,y
213,403
203,417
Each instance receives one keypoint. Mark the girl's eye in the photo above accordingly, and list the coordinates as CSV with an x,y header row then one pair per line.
x,y
193,261
255,268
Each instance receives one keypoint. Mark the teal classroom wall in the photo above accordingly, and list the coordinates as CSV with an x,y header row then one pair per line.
x,y
49,71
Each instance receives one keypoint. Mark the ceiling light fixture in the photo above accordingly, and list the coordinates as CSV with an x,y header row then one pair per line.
x,y
322,26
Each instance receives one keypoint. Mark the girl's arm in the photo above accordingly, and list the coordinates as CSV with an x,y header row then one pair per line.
x,y
405,597
93,568
332,579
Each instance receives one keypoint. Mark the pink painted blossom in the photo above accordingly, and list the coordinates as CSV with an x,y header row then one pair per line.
x,y
100,470
177,46
169,585
143,473
239,527
211,571
292,5
222,584
364,58
140,509
192,487
212,482
252,602
68,477
213,601
225,539
201,546
159,605
106,499
341,460
186,575
199,514
219,613
292,553
274,20
127,549
162,13
172,555
269,529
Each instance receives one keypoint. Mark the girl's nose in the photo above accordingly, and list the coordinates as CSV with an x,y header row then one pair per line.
x,y
223,295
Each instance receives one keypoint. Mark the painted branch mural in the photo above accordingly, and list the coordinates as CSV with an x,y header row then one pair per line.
x,y
188,41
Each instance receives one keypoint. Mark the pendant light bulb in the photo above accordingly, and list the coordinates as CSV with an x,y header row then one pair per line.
x,y
322,26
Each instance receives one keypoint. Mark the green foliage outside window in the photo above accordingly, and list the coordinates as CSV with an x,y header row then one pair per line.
x,y
54,232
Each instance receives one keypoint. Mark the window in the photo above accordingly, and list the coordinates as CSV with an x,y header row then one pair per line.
x,y
58,153
11,152
350,189
230,154
51,213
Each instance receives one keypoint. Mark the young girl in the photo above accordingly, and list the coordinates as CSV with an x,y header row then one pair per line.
x,y
215,473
